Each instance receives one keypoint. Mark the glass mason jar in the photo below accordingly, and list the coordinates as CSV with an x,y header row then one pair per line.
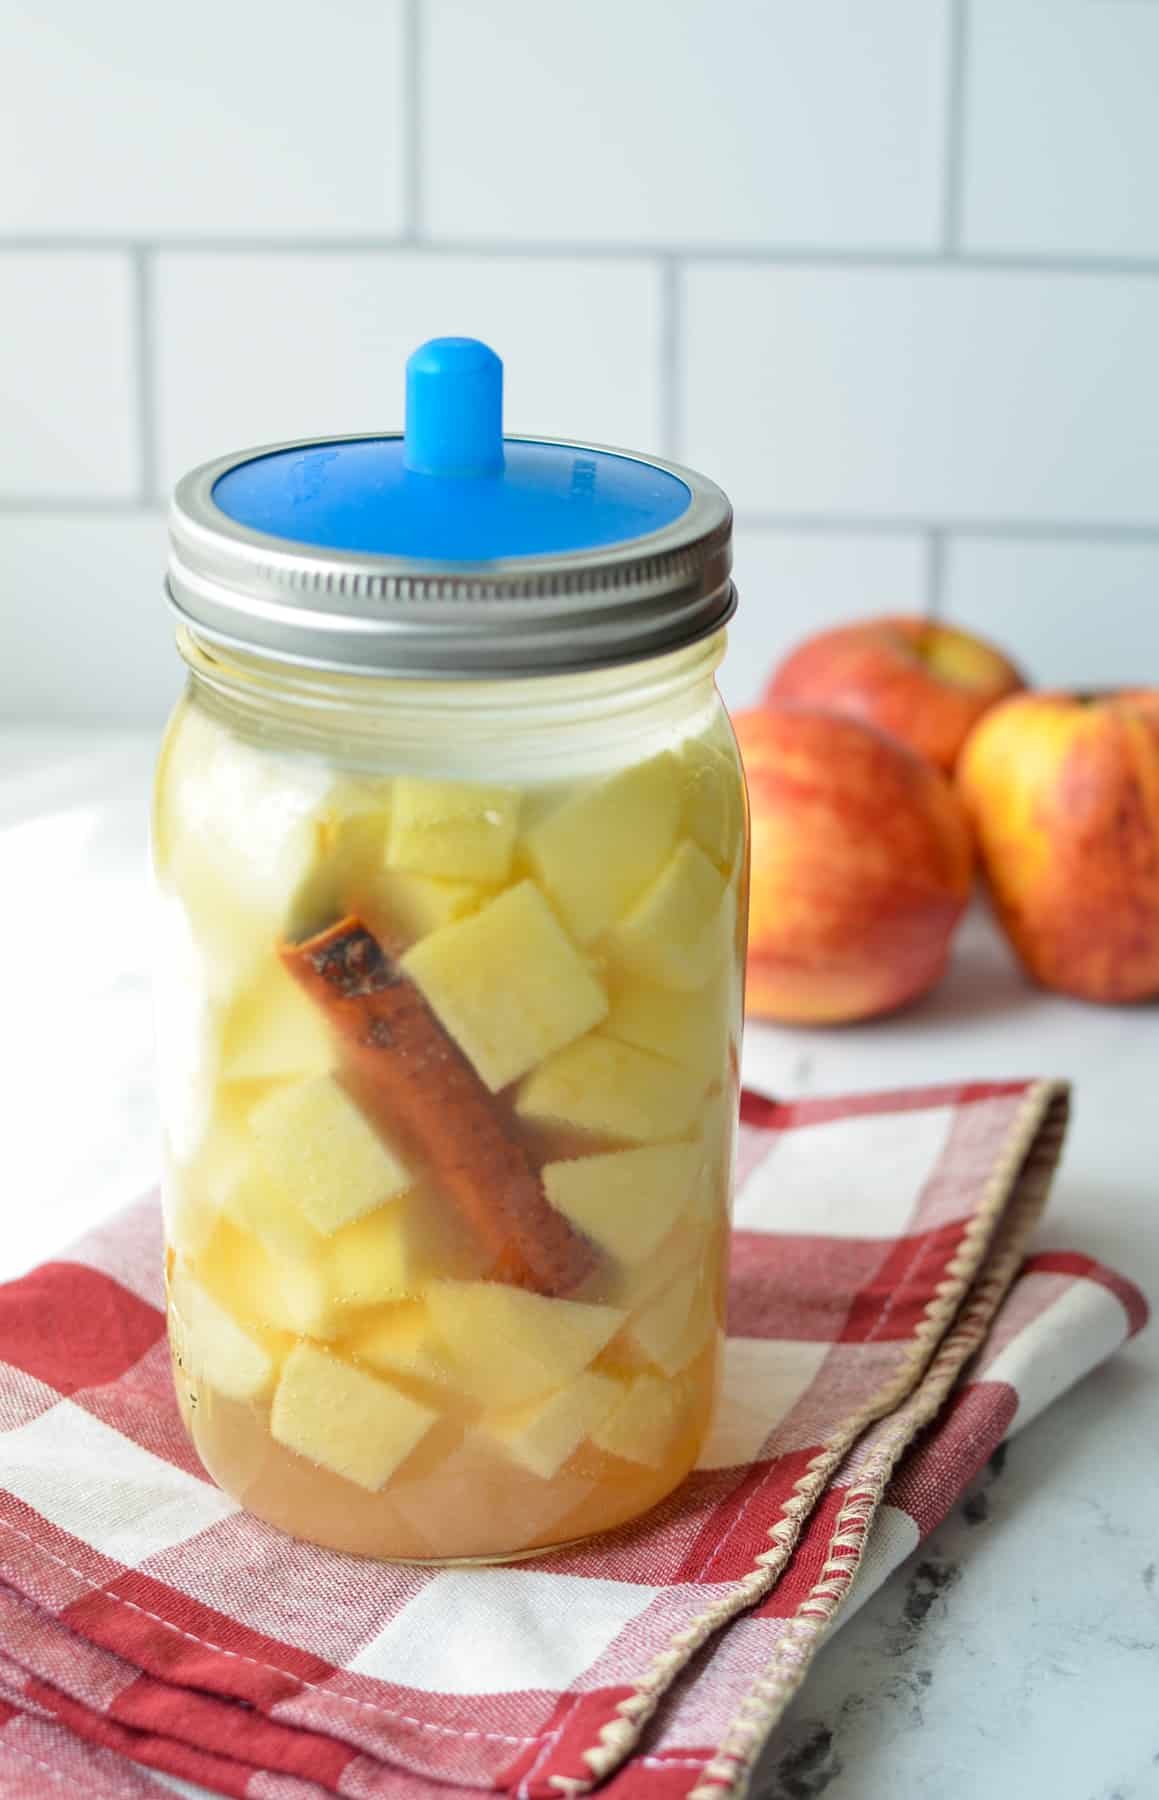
x,y
451,888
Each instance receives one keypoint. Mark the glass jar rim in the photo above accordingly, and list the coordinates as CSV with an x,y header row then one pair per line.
x,y
550,722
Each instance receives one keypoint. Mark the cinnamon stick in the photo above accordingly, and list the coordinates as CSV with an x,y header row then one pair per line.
x,y
411,1079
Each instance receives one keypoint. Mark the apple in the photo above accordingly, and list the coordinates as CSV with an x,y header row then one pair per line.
x,y
925,682
1063,792
861,867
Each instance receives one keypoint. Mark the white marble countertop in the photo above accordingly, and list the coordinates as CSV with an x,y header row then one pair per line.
x,y
1018,1652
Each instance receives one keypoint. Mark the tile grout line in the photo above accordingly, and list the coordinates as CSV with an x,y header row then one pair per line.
x,y
954,146
783,256
1022,530
42,506
144,338
671,357
935,573
412,123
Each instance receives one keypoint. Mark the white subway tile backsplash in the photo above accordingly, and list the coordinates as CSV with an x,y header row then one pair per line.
x,y
258,347
794,583
87,634
925,393
739,122
1062,127
1074,614
68,386
850,377
142,118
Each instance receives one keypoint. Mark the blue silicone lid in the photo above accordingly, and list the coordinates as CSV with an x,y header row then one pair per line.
x,y
452,488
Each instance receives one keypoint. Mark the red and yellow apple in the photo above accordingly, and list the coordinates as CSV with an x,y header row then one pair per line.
x,y
861,867
926,683
1063,793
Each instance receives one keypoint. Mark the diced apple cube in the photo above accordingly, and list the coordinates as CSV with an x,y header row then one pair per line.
x,y
191,1212
673,1329
508,984
361,802
345,1419
475,1496
189,1222
627,1201
633,1285
677,932
542,1435
597,851
350,843
262,1207
311,1139
454,829
216,1349
713,802
233,1363
510,1346
614,1090
295,1297
399,905
274,1032
641,1428
231,929
188,1026
690,1028
713,1189
236,836
401,1340
279,1293
372,1260
736,922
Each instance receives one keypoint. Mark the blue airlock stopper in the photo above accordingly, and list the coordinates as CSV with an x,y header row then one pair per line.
x,y
451,489
454,409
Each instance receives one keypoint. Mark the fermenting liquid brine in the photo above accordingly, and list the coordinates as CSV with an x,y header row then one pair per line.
x,y
450,850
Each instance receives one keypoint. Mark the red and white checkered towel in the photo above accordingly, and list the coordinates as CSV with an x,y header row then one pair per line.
x,y
880,1245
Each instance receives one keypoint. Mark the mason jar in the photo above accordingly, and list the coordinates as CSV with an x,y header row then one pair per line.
x,y
451,868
